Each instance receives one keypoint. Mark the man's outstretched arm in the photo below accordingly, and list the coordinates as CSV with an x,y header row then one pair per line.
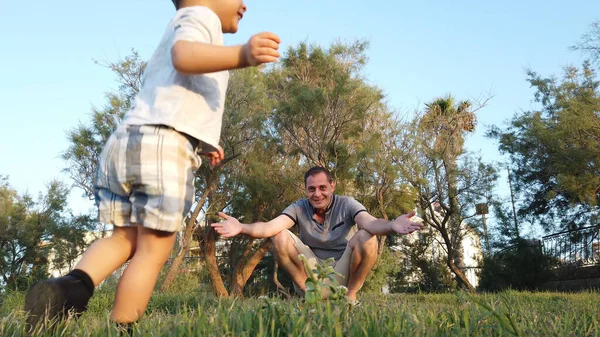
x,y
232,227
401,225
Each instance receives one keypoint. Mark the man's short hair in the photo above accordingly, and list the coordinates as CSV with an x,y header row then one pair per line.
x,y
176,3
316,169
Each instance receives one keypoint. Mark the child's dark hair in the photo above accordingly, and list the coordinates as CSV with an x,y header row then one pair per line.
x,y
176,3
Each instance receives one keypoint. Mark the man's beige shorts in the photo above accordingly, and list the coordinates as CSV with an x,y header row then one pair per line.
x,y
341,266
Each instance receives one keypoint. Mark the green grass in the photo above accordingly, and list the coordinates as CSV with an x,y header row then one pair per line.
x,y
198,313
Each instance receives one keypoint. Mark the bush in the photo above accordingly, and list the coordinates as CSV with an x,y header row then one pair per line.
x,y
435,277
423,275
522,267
382,274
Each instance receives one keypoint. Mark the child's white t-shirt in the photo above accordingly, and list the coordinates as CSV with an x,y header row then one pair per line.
x,y
191,104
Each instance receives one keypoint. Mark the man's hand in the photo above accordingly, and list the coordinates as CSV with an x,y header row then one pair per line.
x,y
403,224
229,228
261,48
214,157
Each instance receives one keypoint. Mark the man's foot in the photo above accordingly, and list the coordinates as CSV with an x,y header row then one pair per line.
x,y
125,329
353,303
49,301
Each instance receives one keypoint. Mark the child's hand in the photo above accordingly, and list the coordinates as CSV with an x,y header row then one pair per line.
x,y
214,157
261,48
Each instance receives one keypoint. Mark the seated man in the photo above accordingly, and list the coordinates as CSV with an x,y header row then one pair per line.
x,y
326,223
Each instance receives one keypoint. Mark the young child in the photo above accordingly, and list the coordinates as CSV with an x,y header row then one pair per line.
x,y
145,176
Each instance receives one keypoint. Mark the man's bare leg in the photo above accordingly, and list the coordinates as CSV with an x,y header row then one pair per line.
x,y
286,255
364,255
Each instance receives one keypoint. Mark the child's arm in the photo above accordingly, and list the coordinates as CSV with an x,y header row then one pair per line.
x,y
199,58
214,157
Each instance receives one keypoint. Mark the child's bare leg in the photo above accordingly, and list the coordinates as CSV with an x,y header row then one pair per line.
x,y
51,299
137,282
105,255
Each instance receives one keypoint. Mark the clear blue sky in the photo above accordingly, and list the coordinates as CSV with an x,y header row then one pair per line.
x,y
419,50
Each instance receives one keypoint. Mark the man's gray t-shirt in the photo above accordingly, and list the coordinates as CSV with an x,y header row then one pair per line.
x,y
330,238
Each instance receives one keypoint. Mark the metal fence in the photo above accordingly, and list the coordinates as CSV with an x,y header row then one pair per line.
x,y
579,247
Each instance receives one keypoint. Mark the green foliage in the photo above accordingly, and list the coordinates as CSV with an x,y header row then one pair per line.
x,y
313,108
446,122
87,140
256,180
555,151
504,232
590,42
522,267
506,320
320,278
34,234
321,112
434,276
422,270
448,180
382,274
324,110
196,313
379,183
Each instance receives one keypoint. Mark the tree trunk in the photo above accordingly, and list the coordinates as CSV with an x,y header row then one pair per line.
x,y
381,241
185,246
280,287
245,267
211,263
460,276
455,220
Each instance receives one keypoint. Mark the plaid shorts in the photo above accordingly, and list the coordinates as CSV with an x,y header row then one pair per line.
x,y
146,176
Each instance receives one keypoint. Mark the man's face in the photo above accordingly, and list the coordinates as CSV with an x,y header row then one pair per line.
x,y
319,190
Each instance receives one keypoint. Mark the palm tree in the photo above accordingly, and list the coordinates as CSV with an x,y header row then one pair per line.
x,y
444,124
447,121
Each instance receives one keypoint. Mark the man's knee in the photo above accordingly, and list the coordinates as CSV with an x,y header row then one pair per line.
x,y
282,241
285,252
365,241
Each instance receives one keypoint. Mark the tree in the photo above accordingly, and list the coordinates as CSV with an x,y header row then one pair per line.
x,y
447,181
379,184
87,141
15,239
590,42
254,186
322,101
327,114
555,151
523,266
37,234
503,233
